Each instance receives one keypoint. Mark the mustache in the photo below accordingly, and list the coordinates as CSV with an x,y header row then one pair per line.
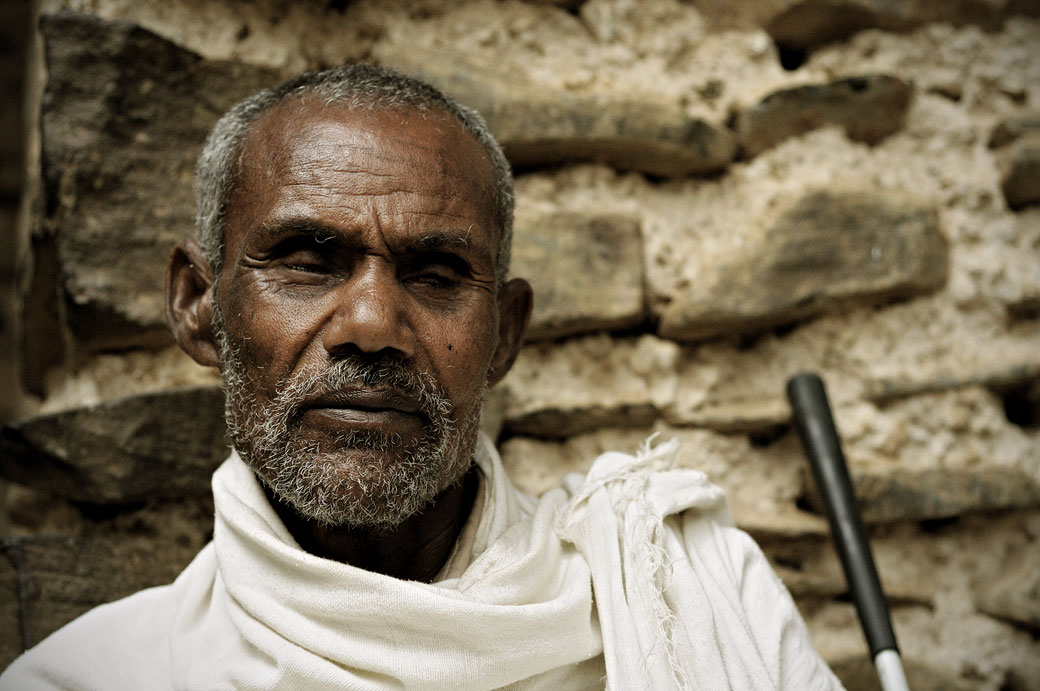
x,y
376,372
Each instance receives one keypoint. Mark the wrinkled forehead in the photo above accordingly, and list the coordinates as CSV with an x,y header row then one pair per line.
x,y
423,147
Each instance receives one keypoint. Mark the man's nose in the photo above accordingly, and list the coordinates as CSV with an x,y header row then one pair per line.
x,y
370,314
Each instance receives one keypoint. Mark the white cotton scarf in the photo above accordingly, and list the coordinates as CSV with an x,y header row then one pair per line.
x,y
632,569
289,620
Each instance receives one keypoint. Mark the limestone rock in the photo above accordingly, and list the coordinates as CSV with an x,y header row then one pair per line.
x,y
919,565
938,455
586,271
807,23
1013,376
1020,172
125,114
858,673
868,107
63,577
930,494
588,383
1015,596
11,644
1012,127
164,444
540,127
945,647
827,249
929,574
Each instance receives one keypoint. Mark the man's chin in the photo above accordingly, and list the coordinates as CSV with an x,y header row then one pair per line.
x,y
360,487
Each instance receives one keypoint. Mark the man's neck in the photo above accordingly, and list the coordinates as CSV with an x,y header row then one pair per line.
x,y
414,550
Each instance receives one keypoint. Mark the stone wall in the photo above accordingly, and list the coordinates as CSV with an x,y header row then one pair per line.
x,y
712,196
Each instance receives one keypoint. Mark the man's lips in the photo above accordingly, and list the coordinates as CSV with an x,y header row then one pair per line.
x,y
378,409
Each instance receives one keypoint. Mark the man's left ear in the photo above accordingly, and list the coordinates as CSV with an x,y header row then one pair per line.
x,y
514,311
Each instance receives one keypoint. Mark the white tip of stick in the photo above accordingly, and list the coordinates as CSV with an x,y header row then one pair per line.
x,y
890,671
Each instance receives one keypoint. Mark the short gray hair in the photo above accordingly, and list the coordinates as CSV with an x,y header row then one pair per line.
x,y
358,87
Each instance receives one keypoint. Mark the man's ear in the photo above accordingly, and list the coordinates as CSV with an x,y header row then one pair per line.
x,y
189,302
514,311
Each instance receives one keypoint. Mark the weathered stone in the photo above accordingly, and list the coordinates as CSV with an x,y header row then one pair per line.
x,y
1013,376
917,565
1020,172
164,444
569,4
943,647
1011,128
539,127
586,271
61,577
904,495
731,389
868,107
828,249
558,391
125,114
11,644
1015,596
928,573
938,455
859,674
807,23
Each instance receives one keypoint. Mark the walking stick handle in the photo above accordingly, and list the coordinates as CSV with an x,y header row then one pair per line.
x,y
815,424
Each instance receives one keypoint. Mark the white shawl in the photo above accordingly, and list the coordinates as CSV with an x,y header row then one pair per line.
x,y
680,601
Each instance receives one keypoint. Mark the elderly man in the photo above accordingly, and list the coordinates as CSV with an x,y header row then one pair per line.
x,y
349,281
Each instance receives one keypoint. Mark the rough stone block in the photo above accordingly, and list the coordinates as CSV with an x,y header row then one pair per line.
x,y
1011,128
1015,596
1020,172
586,271
857,673
540,127
868,107
163,444
11,644
915,495
928,573
559,391
1012,376
125,114
63,577
807,23
937,456
827,249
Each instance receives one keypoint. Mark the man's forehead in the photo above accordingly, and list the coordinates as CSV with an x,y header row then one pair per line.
x,y
309,143
308,122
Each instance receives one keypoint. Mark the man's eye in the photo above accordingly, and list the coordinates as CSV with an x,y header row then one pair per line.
x,y
435,278
307,262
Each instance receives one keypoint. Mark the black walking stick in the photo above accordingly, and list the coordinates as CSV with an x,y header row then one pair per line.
x,y
812,416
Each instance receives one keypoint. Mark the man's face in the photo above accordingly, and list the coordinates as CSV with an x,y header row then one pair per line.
x,y
356,309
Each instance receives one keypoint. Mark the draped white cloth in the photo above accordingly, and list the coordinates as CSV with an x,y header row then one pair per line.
x,y
633,571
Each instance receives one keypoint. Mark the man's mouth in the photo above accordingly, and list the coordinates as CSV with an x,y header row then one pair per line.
x,y
379,410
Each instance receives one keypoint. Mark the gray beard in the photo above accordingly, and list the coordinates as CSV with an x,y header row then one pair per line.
x,y
364,478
